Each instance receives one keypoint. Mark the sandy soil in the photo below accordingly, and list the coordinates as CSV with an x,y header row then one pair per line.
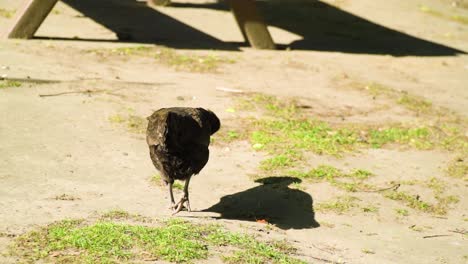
x,y
50,146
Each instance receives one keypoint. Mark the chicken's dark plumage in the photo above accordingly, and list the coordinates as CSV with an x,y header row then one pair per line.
x,y
178,139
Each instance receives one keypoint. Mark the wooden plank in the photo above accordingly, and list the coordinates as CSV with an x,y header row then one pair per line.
x,y
29,17
251,24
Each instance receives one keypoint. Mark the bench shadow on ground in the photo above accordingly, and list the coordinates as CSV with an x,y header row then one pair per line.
x,y
135,22
324,27
273,201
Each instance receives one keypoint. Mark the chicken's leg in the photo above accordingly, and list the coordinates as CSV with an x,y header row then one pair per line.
x,y
172,206
184,199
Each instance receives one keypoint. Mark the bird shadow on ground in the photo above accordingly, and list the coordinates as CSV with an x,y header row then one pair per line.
x,y
273,201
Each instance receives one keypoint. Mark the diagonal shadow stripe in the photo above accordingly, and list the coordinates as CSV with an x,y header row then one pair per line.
x,y
324,27
133,21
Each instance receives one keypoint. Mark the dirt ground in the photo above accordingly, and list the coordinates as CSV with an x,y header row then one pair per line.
x,y
68,144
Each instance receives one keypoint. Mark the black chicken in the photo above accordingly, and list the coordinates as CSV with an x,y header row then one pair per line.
x,y
178,140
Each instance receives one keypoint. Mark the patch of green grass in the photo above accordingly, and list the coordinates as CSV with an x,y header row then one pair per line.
x,y
327,172
158,180
375,89
232,135
414,103
452,137
137,124
367,251
413,201
351,182
437,185
340,205
66,197
73,241
308,135
116,214
402,212
370,209
322,172
6,13
458,168
226,135
178,60
436,13
178,186
9,84
297,136
439,188
278,162
444,201
253,251
416,137
446,129
134,124
269,104
285,132
360,174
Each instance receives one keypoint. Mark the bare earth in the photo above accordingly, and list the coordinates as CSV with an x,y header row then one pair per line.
x,y
67,144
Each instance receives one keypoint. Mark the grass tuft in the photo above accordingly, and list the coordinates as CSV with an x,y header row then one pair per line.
x,y
133,123
74,241
9,84
458,168
116,214
351,182
286,133
455,18
66,197
170,57
412,201
340,205
6,13
158,181
415,103
402,212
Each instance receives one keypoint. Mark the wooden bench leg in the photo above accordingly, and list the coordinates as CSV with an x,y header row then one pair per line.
x,y
251,24
159,2
28,19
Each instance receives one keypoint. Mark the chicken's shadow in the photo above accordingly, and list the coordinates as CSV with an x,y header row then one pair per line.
x,y
273,201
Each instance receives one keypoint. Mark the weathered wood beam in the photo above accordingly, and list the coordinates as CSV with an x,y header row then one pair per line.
x,y
251,24
29,18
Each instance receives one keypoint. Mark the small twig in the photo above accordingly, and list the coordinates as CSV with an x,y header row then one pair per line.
x,y
312,257
463,232
49,81
435,236
394,187
322,259
31,80
322,249
73,92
